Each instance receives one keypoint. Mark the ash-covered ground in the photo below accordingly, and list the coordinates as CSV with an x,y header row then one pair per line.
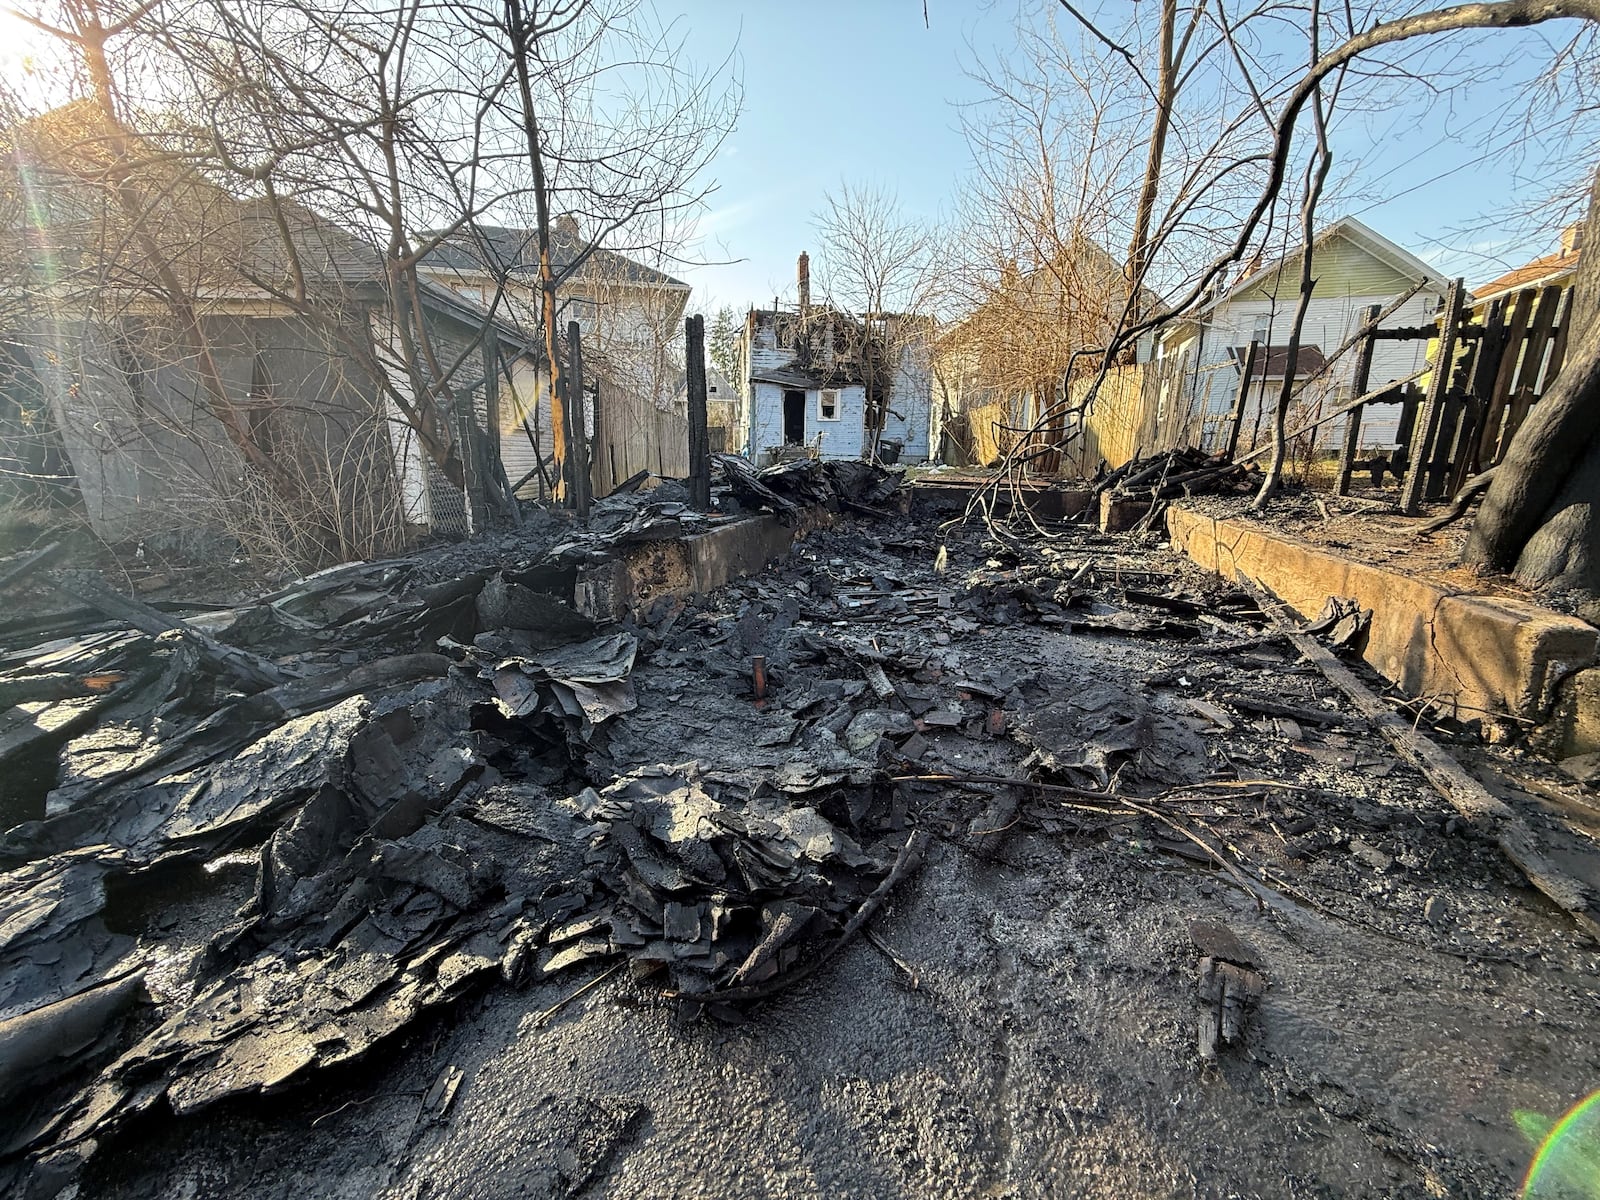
x,y
649,934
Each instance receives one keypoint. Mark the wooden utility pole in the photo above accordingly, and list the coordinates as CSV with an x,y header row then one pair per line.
x,y
699,435
579,444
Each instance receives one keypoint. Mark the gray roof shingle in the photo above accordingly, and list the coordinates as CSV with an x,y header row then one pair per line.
x,y
514,252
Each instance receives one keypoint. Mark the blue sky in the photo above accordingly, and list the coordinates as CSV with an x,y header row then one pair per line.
x,y
861,90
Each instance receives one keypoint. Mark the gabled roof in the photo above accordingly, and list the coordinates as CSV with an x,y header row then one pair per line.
x,y
499,250
1541,272
229,247
1359,234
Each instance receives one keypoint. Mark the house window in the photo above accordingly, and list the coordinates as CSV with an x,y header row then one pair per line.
x,y
828,405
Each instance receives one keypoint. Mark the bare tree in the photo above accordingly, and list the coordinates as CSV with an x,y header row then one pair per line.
x,y
570,58
880,265
1115,127
351,142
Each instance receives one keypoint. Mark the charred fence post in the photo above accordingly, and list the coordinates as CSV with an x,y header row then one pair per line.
x,y
699,435
578,445
1425,433
1485,370
1236,417
1358,387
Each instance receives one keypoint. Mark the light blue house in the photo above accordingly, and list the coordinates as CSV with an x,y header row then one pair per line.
x,y
819,382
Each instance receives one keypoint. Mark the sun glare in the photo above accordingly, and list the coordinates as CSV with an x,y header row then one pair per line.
x,y
31,61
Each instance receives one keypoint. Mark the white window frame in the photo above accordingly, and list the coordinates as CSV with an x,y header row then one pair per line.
x,y
822,399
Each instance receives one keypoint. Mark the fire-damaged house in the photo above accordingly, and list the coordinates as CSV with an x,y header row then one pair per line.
x,y
823,383
630,317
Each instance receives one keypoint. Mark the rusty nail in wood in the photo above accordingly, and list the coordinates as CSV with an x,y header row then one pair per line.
x,y
758,676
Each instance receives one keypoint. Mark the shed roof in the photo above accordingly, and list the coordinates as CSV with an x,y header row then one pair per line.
x,y
1541,272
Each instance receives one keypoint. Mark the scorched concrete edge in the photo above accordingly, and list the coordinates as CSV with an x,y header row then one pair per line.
x,y
1484,656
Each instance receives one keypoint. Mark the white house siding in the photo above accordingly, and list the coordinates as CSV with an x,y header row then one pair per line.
x,y
910,415
838,439
1329,322
766,417
525,406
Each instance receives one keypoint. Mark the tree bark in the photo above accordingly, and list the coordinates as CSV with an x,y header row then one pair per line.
x,y
1139,248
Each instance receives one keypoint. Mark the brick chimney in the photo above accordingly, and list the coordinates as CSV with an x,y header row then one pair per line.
x,y
803,277
1572,238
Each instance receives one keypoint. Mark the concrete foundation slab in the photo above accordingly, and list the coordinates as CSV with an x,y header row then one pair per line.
x,y
1486,658
640,575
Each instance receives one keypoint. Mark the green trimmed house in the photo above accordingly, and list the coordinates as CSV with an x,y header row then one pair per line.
x,y
1199,361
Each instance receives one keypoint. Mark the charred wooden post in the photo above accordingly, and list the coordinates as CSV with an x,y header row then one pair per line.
x,y
578,441
699,433
1530,371
1510,350
1485,366
494,463
1236,417
1451,412
1427,427
601,446
1558,344
1407,428
1358,387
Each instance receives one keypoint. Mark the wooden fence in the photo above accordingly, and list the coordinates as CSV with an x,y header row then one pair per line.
x,y
1461,418
633,435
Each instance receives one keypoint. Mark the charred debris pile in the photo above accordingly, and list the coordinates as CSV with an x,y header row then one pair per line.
x,y
248,844
1174,474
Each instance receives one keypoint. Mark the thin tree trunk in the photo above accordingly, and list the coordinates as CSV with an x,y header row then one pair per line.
x,y
1308,217
518,27
1139,247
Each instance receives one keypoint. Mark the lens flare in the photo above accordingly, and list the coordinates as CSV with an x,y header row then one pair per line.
x,y
1567,1163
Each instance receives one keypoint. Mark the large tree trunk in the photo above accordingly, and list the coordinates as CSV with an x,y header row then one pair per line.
x,y
1539,516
